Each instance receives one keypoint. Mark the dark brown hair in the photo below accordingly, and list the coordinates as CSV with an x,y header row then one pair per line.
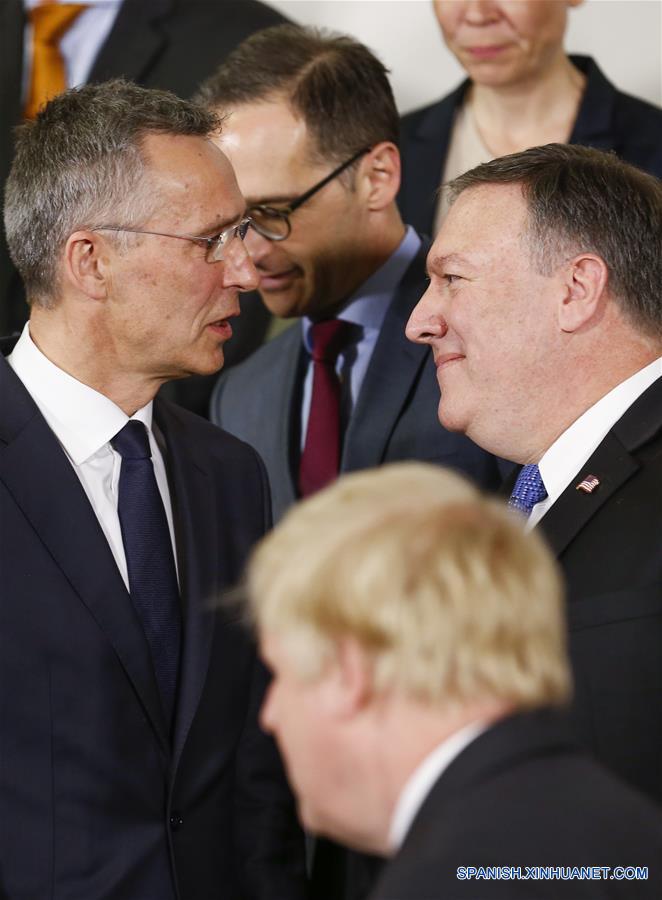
x,y
585,200
339,88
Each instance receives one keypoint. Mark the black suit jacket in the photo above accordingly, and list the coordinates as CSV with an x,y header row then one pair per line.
x,y
394,418
522,794
168,44
607,119
609,544
97,801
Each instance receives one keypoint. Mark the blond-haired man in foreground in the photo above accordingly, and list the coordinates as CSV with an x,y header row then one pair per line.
x,y
416,638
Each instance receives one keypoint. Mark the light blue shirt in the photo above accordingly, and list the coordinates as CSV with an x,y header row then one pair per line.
x,y
365,309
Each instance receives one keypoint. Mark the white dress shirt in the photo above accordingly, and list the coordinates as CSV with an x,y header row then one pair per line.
x,y
423,778
84,421
565,458
81,43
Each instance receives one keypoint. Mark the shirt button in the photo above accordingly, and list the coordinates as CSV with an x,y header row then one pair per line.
x,y
176,821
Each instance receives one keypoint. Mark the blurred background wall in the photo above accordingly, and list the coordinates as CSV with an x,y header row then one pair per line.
x,y
623,36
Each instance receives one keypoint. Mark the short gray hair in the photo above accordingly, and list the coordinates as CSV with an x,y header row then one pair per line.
x,y
80,164
585,200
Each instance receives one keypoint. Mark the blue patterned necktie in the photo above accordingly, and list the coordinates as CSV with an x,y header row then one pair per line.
x,y
529,489
149,557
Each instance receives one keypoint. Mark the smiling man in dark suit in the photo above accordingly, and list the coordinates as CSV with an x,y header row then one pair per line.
x,y
132,763
416,637
311,128
544,315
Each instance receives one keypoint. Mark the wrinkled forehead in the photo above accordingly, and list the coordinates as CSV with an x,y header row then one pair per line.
x,y
189,171
485,214
175,158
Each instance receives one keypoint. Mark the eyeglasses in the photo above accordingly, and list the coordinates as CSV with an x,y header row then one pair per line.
x,y
217,245
273,223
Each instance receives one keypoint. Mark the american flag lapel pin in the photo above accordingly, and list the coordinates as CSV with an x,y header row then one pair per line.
x,y
588,484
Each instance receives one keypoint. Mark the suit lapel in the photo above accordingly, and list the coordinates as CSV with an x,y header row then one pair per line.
x,y
288,410
282,402
197,536
44,485
594,123
393,368
134,42
423,160
613,463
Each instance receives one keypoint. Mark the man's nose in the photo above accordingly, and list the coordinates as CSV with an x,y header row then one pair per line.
x,y
238,267
426,322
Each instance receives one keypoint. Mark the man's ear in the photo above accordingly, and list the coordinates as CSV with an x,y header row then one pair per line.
x,y
380,173
585,285
352,678
86,264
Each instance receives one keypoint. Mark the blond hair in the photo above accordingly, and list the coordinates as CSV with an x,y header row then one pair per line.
x,y
440,585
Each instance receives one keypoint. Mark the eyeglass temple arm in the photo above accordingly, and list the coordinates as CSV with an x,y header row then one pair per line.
x,y
318,187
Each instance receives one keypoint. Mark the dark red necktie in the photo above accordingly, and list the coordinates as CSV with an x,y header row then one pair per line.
x,y
320,459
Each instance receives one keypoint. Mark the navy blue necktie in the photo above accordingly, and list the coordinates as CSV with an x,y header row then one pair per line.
x,y
529,489
149,557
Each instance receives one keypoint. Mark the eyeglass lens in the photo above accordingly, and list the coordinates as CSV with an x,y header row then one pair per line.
x,y
230,243
271,223
274,224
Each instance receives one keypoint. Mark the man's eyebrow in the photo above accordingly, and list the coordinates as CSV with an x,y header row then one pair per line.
x,y
443,260
219,224
270,201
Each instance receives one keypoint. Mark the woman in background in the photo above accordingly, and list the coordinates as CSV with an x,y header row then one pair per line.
x,y
523,90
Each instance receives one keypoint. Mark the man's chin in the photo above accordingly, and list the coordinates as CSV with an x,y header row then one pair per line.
x,y
287,301
450,418
281,305
209,364
212,367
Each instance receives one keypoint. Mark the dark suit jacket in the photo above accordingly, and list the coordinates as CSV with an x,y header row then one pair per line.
x,y
167,44
607,120
395,416
96,801
522,794
609,545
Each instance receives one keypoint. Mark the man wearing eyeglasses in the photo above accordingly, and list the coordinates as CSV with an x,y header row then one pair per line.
x,y
311,128
132,766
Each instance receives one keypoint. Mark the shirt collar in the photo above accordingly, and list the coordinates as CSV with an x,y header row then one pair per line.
x,y
575,445
82,419
368,304
425,775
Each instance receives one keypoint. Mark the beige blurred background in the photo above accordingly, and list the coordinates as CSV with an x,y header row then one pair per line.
x,y
623,36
